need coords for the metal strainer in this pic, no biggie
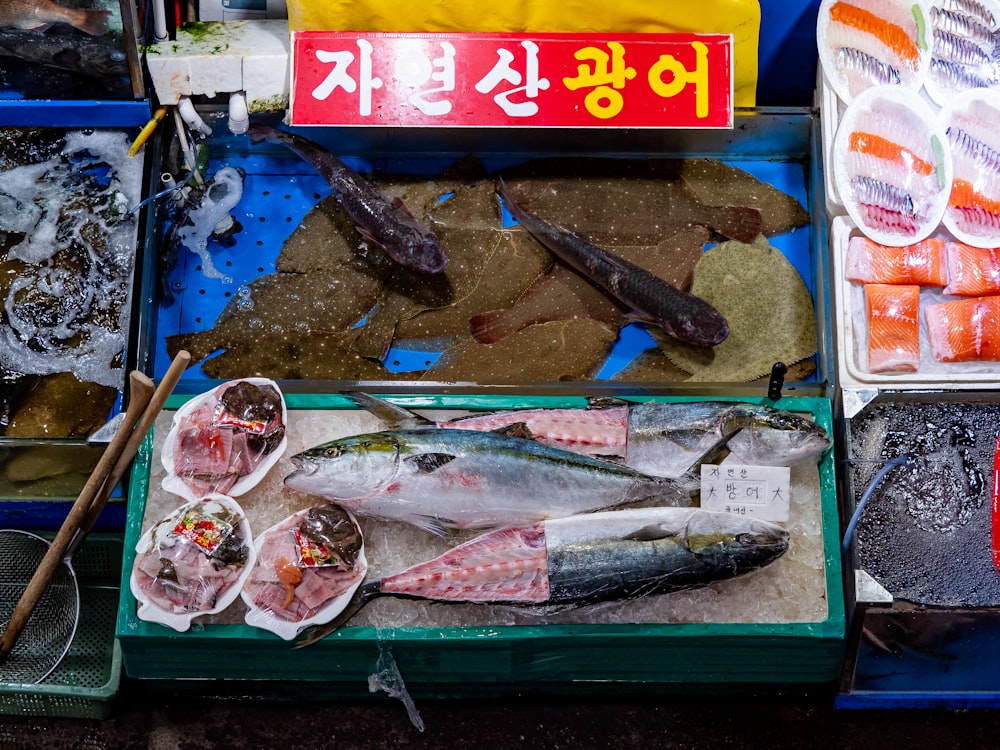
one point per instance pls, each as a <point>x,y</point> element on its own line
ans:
<point>52,624</point>
<point>39,599</point>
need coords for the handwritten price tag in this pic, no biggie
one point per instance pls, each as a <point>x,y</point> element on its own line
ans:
<point>759,491</point>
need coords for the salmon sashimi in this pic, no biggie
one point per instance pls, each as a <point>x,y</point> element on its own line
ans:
<point>884,148</point>
<point>893,327</point>
<point>892,35</point>
<point>972,271</point>
<point>976,211</point>
<point>922,263</point>
<point>964,330</point>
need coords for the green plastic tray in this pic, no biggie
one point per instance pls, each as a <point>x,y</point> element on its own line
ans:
<point>468,661</point>
<point>86,682</point>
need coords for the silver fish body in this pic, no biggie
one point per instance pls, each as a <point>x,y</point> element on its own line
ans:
<point>670,439</point>
<point>606,556</point>
<point>440,478</point>
<point>407,240</point>
<point>651,299</point>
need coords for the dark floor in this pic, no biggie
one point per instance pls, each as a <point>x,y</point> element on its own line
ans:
<point>793,720</point>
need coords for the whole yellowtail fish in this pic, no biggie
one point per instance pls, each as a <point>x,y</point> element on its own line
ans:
<point>607,556</point>
<point>439,479</point>
<point>32,15</point>
<point>388,223</point>
<point>649,298</point>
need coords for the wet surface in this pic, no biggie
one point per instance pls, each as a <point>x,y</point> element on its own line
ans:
<point>783,719</point>
<point>925,533</point>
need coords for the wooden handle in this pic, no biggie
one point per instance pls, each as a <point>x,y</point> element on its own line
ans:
<point>140,392</point>
<point>152,410</point>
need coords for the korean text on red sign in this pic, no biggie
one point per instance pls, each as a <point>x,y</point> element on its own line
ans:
<point>521,80</point>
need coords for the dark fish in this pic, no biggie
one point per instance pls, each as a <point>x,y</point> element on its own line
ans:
<point>871,68</point>
<point>583,559</point>
<point>652,300</point>
<point>29,15</point>
<point>633,200</point>
<point>94,58</point>
<point>970,8</point>
<point>387,223</point>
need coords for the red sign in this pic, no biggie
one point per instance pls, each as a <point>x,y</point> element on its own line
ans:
<point>502,80</point>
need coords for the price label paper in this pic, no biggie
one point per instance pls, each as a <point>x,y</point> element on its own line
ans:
<point>758,491</point>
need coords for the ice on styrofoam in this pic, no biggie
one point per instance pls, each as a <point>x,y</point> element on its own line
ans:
<point>792,589</point>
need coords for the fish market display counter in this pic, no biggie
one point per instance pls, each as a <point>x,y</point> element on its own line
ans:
<point>783,623</point>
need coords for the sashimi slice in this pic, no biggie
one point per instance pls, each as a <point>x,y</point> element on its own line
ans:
<point>972,271</point>
<point>893,327</point>
<point>976,212</point>
<point>964,330</point>
<point>922,263</point>
<point>884,148</point>
<point>892,35</point>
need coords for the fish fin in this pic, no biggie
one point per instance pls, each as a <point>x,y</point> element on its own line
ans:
<point>427,463</point>
<point>687,439</point>
<point>741,223</point>
<point>493,326</point>
<point>366,234</point>
<point>515,429</point>
<point>93,22</point>
<point>395,416</point>
<point>430,524</point>
<point>368,590</point>
<point>650,533</point>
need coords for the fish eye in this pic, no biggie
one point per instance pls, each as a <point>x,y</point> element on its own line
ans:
<point>332,452</point>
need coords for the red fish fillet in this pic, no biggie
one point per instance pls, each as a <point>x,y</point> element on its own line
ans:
<point>922,263</point>
<point>893,327</point>
<point>972,271</point>
<point>964,330</point>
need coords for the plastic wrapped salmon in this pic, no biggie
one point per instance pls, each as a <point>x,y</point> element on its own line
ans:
<point>972,271</point>
<point>923,263</point>
<point>866,43</point>
<point>892,168</point>
<point>972,124</point>
<point>964,330</point>
<point>893,327</point>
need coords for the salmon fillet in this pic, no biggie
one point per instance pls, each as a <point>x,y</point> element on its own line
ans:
<point>893,327</point>
<point>964,330</point>
<point>972,271</point>
<point>922,263</point>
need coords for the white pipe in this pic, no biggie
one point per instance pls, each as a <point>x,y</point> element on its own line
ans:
<point>186,107</point>
<point>239,116</point>
<point>159,21</point>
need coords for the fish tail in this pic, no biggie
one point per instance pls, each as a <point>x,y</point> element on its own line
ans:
<point>93,22</point>
<point>890,34</point>
<point>501,187</point>
<point>493,326</point>
<point>740,223</point>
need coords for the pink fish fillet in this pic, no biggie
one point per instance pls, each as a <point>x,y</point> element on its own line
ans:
<point>506,565</point>
<point>972,271</point>
<point>922,263</point>
<point>964,330</point>
<point>31,15</point>
<point>596,432</point>
<point>893,327</point>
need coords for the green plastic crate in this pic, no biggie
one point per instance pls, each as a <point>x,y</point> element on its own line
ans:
<point>493,660</point>
<point>85,683</point>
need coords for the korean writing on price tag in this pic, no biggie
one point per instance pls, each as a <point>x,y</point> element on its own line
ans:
<point>500,80</point>
<point>759,491</point>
